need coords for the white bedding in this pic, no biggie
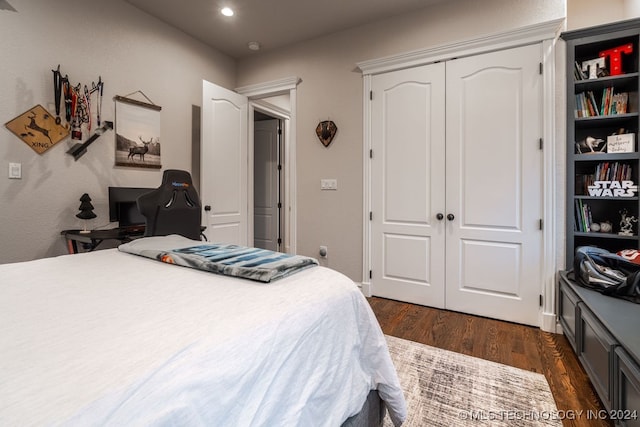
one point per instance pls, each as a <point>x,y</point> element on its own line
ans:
<point>110,338</point>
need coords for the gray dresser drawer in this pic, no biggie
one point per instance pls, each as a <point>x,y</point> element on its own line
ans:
<point>596,352</point>
<point>569,312</point>
<point>627,392</point>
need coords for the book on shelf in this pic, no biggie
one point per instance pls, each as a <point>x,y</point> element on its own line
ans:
<point>612,171</point>
<point>583,181</point>
<point>603,173</point>
<point>586,105</point>
<point>577,71</point>
<point>583,217</point>
<point>610,103</point>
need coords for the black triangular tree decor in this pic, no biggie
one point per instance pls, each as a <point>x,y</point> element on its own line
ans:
<point>86,208</point>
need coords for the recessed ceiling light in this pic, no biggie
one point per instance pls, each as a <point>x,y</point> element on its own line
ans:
<point>254,45</point>
<point>227,11</point>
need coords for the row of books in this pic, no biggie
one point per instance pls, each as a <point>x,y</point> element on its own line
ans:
<point>604,171</point>
<point>583,217</point>
<point>610,103</point>
<point>613,171</point>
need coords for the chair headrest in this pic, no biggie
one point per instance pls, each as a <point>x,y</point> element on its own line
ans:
<point>172,208</point>
<point>176,179</point>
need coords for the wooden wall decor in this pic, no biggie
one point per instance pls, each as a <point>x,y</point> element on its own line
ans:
<point>326,131</point>
<point>38,129</point>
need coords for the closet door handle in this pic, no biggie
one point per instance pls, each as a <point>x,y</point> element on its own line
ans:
<point>439,216</point>
<point>450,217</point>
<point>207,208</point>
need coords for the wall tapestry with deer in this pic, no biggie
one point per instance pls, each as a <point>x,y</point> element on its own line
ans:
<point>137,133</point>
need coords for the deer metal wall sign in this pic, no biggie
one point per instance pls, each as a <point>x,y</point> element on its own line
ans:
<point>38,129</point>
<point>137,134</point>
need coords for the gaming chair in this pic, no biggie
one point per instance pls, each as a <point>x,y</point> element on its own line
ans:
<point>172,208</point>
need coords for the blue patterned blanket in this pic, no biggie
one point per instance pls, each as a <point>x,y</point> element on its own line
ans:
<point>231,260</point>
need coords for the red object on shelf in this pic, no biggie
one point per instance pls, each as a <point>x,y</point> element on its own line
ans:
<point>615,58</point>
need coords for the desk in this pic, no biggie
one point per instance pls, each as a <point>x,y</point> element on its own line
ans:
<point>91,239</point>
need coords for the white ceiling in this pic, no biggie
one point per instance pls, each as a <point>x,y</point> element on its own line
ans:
<point>272,23</point>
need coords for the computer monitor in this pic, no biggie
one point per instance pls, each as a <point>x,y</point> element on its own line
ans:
<point>123,207</point>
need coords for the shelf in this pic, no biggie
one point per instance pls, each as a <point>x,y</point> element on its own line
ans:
<point>582,208</point>
<point>594,320</point>
<point>602,82</point>
<point>599,235</point>
<point>608,199</point>
<point>600,157</point>
<point>608,117</point>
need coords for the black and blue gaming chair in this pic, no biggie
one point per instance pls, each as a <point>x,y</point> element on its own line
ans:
<point>172,208</point>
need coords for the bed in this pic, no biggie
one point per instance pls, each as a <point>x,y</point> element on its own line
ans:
<point>112,338</point>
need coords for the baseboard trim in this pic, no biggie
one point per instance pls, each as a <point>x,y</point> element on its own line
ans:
<point>550,323</point>
<point>365,288</point>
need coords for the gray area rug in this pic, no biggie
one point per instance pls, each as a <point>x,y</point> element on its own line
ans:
<point>443,388</point>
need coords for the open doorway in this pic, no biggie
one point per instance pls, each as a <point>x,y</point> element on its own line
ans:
<point>226,187</point>
<point>267,181</point>
<point>277,99</point>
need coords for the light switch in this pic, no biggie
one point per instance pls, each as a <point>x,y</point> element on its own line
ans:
<point>328,184</point>
<point>15,170</point>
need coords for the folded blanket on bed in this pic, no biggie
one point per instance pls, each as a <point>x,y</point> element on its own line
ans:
<point>261,265</point>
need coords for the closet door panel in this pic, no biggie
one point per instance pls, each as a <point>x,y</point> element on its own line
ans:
<point>407,169</point>
<point>494,185</point>
<point>407,154</point>
<point>490,154</point>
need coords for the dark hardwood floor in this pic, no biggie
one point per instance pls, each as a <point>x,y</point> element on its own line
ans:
<point>511,344</point>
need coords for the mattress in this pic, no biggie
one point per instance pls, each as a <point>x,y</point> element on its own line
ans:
<point>111,338</point>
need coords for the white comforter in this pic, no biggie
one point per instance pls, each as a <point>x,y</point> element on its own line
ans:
<point>109,338</point>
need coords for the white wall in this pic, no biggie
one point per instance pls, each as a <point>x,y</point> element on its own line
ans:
<point>588,13</point>
<point>631,9</point>
<point>89,38</point>
<point>133,51</point>
<point>331,88</point>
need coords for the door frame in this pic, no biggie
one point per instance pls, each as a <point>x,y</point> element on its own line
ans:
<point>256,94</point>
<point>546,33</point>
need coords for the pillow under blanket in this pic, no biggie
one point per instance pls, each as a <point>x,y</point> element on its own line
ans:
<point>257,264</point>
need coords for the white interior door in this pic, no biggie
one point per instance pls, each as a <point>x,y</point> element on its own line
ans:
<point>224,160</point>
<point>266,184</point>
<point>407,170</point>
<point>494,184</point>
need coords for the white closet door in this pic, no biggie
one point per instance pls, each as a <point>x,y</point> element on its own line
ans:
<point>494,184</point>
<point>224,157</point>
<point>407,172</point>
